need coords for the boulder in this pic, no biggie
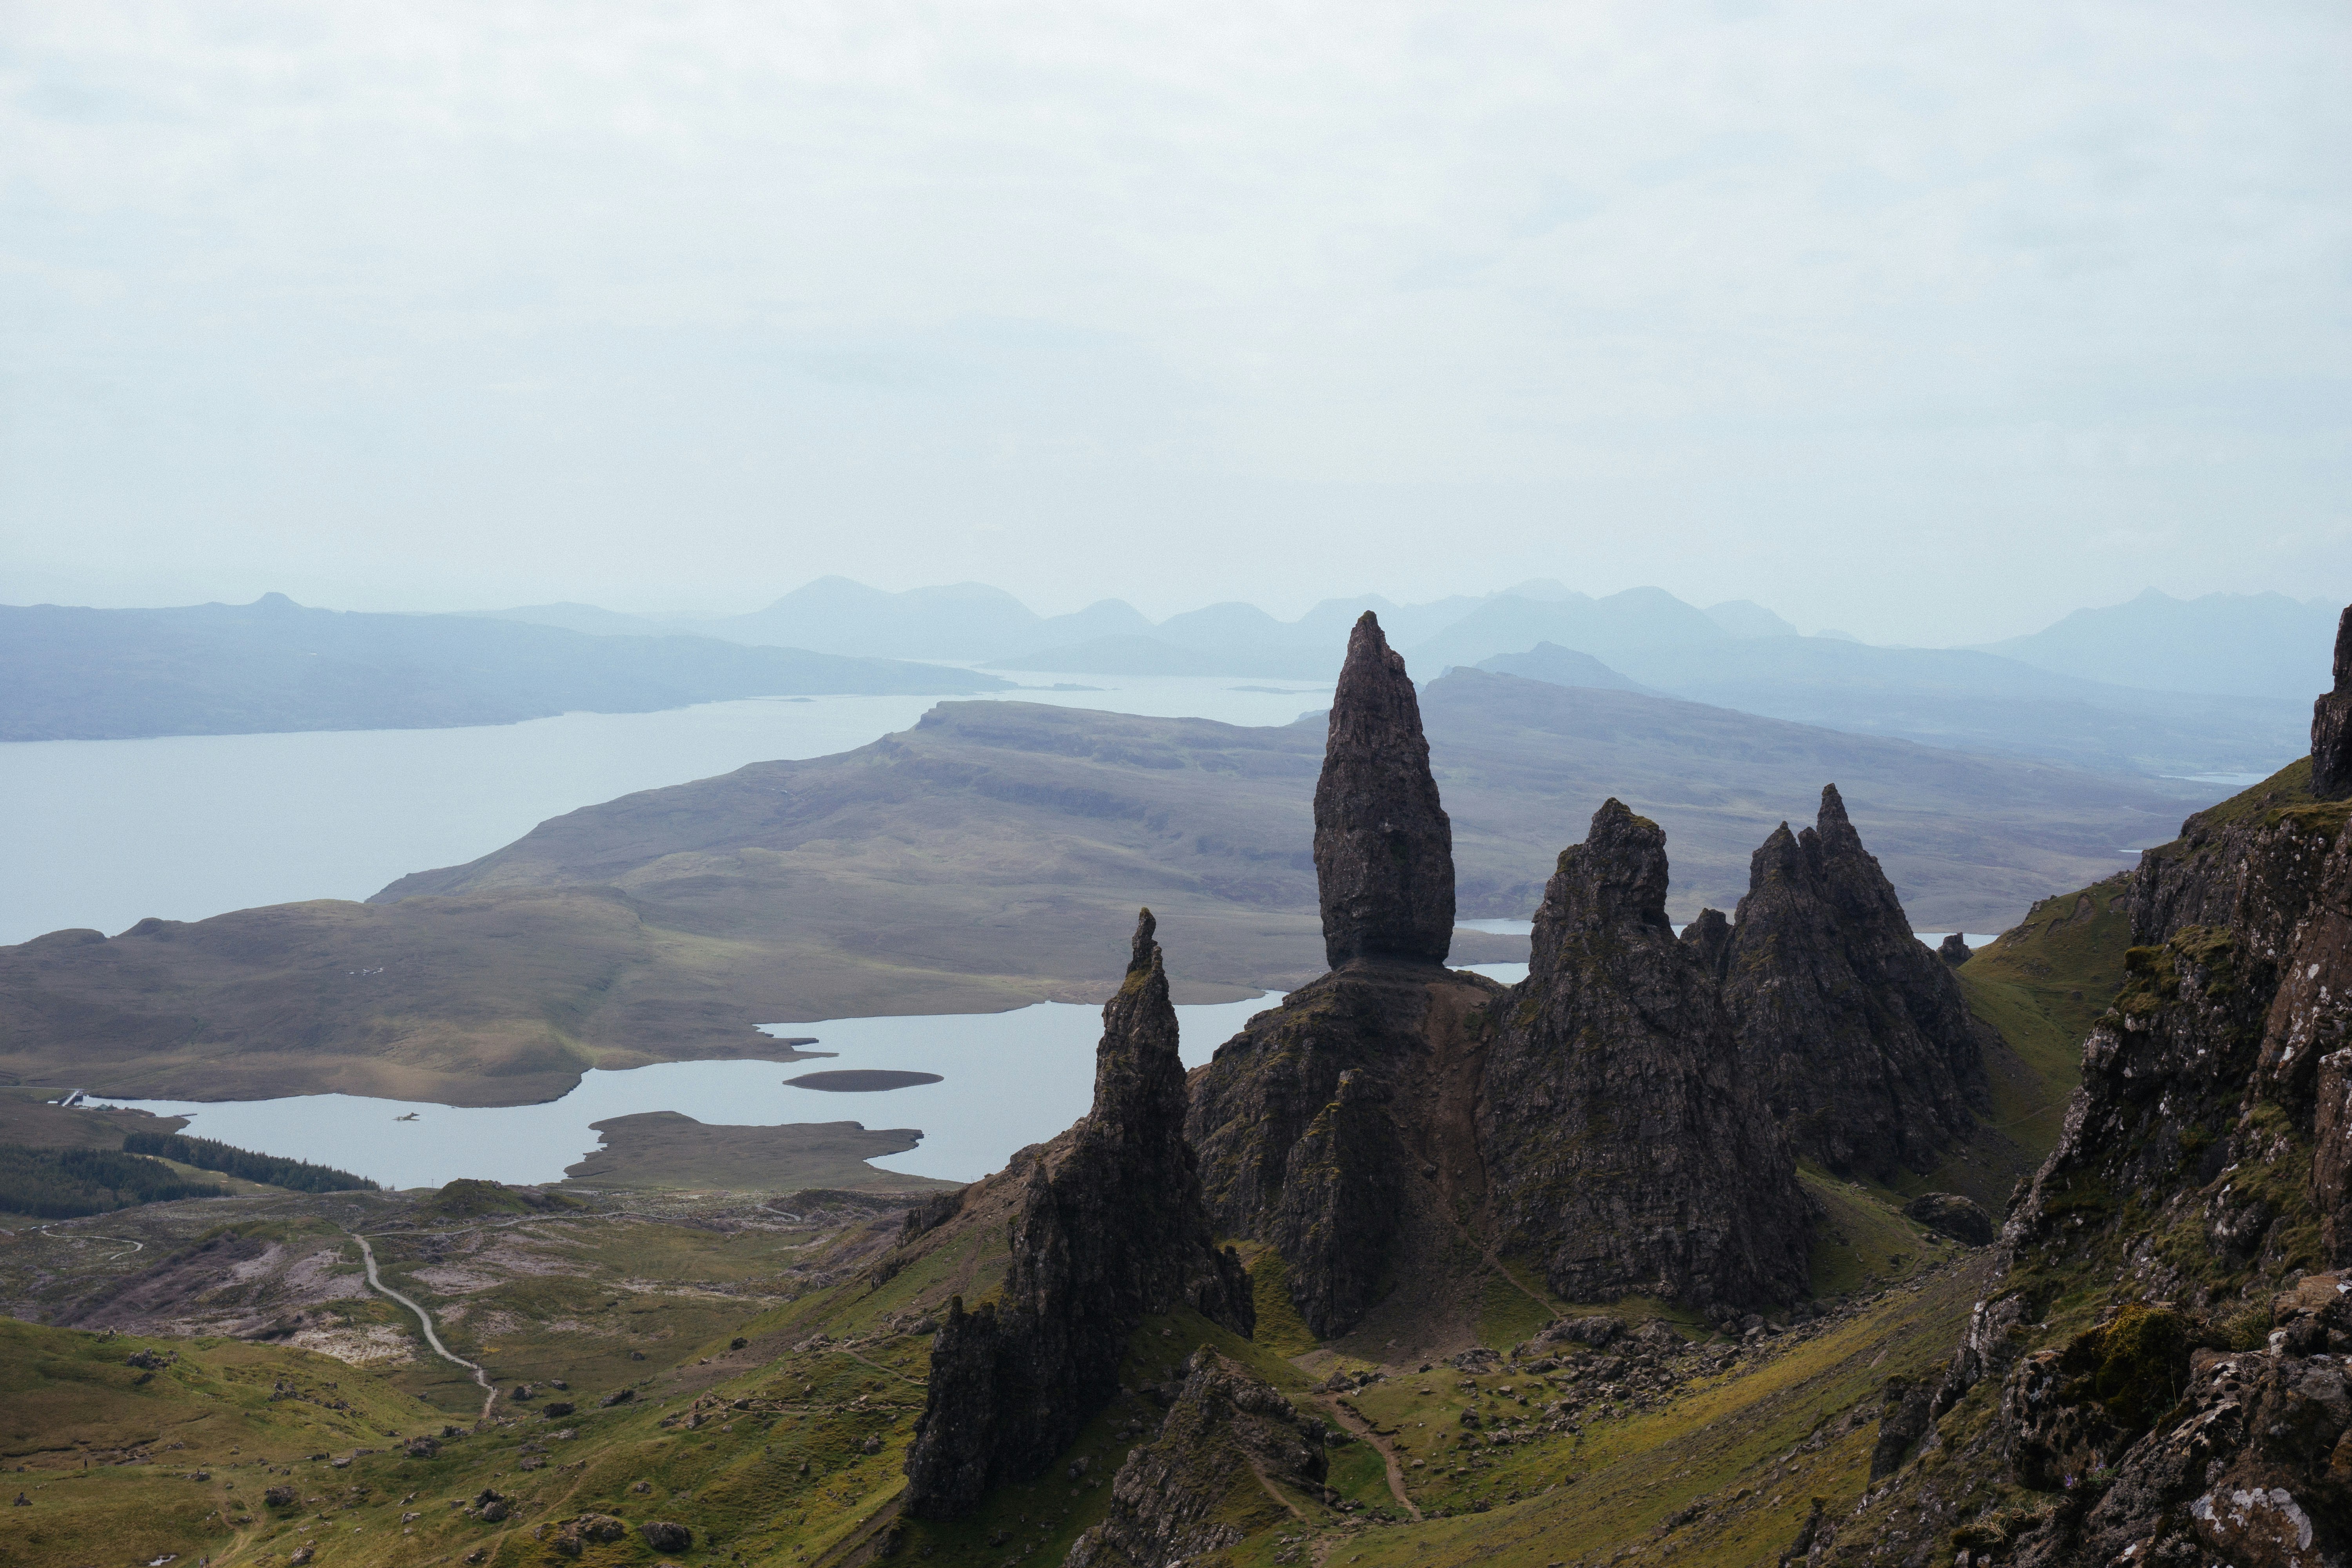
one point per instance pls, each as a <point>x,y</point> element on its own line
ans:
<point>663,1535</point>
<point>1962,1220</point>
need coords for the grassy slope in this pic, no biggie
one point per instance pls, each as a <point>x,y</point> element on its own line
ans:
<point>109,1453</point>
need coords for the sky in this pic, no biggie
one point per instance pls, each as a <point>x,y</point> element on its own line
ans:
<point>1926,322</point>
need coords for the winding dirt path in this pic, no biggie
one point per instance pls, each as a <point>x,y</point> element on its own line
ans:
<point>130,1245</point>
<point>1362,1430</point>
<point>425,1319</point>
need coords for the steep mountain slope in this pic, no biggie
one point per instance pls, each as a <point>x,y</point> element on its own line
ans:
<point>2159,1374</point>
<point>273,665</point>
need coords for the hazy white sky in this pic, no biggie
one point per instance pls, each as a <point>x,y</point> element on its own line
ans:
<point>1928,321</point>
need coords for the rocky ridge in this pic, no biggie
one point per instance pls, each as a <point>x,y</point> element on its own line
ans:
<point>2161,1376</point>
<point>1211,1476</point>
<point>1110,1228</point>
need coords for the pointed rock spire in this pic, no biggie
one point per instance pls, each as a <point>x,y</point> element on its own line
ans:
<point>1111,1228</point>
<point>1857,1035</point>
<point>1383,845</point>
<point>2331,723</point>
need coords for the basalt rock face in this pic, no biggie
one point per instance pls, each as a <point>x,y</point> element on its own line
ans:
<point>1858,1033</point>
<point>1110,1229</point>
<point>1383,844</point>
<point>1203,1484</point>
<point>2331,725</point>
<point>1338,1127</point>
<point>1629,1150</point>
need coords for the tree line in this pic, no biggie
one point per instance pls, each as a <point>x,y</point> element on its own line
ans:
<point>207,1154</point>
<point>61,1184</point>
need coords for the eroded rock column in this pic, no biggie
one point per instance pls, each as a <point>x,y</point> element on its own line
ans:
<point>1383,844</point>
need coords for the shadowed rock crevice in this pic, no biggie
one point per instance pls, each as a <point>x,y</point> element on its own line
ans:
<point>1857,1034</point>
<point>1110,1229</point>
<point>1383,844</point>
<point>1628,1152</point>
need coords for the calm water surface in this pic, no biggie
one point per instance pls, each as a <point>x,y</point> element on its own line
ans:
<point>104,833</point>
<point>1009,1079</point>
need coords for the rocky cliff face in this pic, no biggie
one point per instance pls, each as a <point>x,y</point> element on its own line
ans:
<point>2161,1376</point>
<point>1110,1228</point>
<point>1383,845</point>
<point>1340,1128</point>
<point>1857,1034</point>
<point>1629,1150</point>
<point>2331,723</point>
<point>1208,1479</point>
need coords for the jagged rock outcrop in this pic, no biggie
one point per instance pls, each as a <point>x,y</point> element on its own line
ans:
<point>1206,1480</point>
<point>1110,1229</point>
<point>1857,1034</point>
<point>1340,1128</point>
<point>2331,723</point>
<point>1629,1150</point>
<point>1383,844</point>
<point>2199,1190</point>
<point>1954,949</point>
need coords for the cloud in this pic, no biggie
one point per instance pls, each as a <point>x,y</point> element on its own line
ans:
<point>1862,311</point>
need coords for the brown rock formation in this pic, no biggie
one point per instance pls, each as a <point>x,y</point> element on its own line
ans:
<point>1856,1033</point>
<point>1383,845</point>
<point>2331,723</point>
<point>1629,1152</point>
<point>1206,1480</point>
<point>1111,1229</point>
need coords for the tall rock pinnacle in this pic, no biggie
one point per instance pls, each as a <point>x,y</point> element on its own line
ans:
<point>2331,732</point>
<point>1111,1229</point>
<point>1383,847</point>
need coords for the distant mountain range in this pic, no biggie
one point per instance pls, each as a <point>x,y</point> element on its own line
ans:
<point>2254,645</point>
<point>273,666</point>
<point>2160,686</point>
